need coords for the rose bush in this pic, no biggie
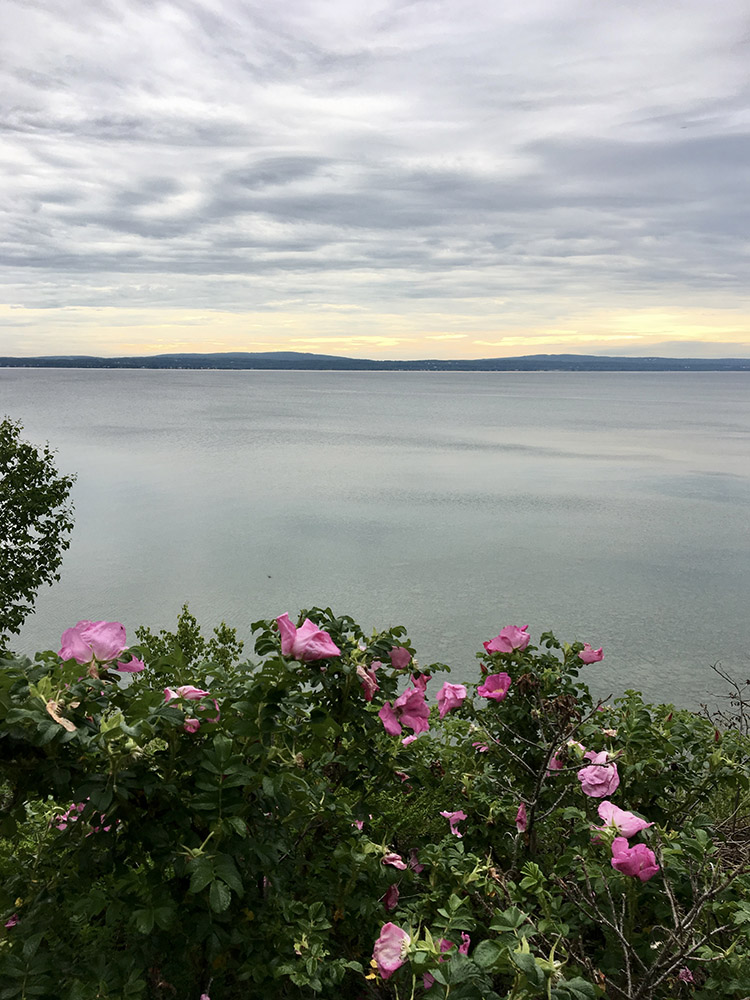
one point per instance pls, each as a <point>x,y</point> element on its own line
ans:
<point>227,828</point>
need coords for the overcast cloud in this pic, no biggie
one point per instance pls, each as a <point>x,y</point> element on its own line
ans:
<point>394,179</point>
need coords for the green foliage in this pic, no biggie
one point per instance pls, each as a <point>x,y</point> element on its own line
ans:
<point>35,520</point>
<point>248,857</point>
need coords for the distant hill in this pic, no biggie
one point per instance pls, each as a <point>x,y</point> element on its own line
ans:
<point>297,361</point>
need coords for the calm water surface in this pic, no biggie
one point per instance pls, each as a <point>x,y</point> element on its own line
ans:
<point>611,508</point>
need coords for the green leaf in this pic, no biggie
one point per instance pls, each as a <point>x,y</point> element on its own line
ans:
<point>488,954</point>
<point>202,872</point>
<point>226,869</point>
<point>527,964</point>
<point>219,896</point>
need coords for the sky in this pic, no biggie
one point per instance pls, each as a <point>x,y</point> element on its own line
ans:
<point>375,178</point>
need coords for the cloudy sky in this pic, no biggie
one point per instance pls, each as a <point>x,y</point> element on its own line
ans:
<point>375,178</point>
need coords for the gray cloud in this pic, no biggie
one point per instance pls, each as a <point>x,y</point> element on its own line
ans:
<point>215,153</point>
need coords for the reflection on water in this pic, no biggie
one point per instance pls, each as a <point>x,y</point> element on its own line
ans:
<point>610,508</point>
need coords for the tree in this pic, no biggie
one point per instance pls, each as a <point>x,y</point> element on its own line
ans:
<point>36,517</point>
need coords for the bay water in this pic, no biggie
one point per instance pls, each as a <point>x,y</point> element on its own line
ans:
<point>609,508</point>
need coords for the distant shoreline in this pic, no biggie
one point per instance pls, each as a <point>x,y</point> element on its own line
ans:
<point>292,361</point>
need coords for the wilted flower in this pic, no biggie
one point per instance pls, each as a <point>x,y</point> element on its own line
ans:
<point>600,778</point>
<point>391,897</point>
<point>450,696</point>
<point>414,861</point>
<point>306,643</point>
<point>12,921</point>
<point>390,949</point>
<point>684,975</point>
<point>391,858</point>
<point>495,686</point>
<point>454,818</point>
<point>589,655</point>
<point>368,680</point>
<point>638,860</point>
<point>627,824</point>
<point>522,820</point>
<point>510,638</point>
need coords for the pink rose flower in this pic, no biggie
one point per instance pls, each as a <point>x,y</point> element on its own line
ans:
<point>390,949</point>
<point>391,858</point>
<point>191,725</point>
<point>589,655</point>
<point>599,779</point>
<point>132,666</point>
<point>409,739</point>
<point>510,638</point>
<point>454,818</point>
<point>87,642</point>
<point>305,643</point>
<point>191,692</point>
<point>391,898</point>
<point>555,764</point>
<point>639,860</point>
<point>400,657</point>
<point>495,686</point>
<point>450,696</point>
<point>522,820</point>
<point>409,709</point>
<point>627,824</point>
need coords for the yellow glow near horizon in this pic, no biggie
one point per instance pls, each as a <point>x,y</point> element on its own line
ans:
<point>332,329</point>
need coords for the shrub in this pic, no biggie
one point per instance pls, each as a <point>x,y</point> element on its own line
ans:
<point>201,826</point>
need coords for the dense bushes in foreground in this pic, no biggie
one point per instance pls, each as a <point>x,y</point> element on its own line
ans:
<point>179,824</point>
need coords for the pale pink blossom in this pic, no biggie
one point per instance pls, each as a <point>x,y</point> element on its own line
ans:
<point>450,696</point>
<point>390,949</point>
<point>400,657</point>
<point>132,666</point>
<point>359,823</point>
<point>89,642</point>
<point>391,858</point>
<point>589,655</point>
<point>511,637</point>
<point>480,747</point>
<point>495,686</point>
<point>454,818</point>
<point>306,643</point>
<point>409,739</point>
<point>555,764</point>
<point>600,778</point>
<point>192,693</point>
<point>627,824</point>
<point>639,860</point>
<point>191,725</point>
<point>522,820</point>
